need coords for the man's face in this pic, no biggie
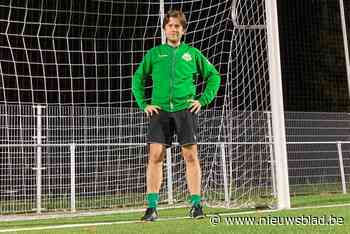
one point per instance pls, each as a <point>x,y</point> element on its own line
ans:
<point>174,30</point>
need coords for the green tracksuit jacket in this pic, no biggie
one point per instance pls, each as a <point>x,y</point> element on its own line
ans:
<point>173,72</point>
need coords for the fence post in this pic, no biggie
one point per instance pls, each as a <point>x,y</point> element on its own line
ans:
<point>169,176</point>
<point>72,177</point>
<point>224,173</point>
<point>272,157</point>
<point>38,167</point>
<point>341,166</point>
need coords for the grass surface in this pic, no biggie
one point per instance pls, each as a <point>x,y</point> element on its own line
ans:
<point>173,220</point>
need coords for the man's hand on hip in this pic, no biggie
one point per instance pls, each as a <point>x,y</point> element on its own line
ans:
<point>195,106</point>
<point>150,109</point>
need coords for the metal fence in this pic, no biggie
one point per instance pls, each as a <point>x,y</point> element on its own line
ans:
<point>89,158</point>
<point>316,158</point>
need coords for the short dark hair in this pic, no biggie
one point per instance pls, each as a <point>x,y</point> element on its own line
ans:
<point>175,14</point>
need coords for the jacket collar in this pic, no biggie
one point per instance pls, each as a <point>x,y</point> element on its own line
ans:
<point>182,44</point>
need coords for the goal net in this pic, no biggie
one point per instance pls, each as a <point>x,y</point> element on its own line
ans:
<point>66,70</point>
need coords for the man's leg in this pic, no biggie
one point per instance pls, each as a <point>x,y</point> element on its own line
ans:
<point>193,172</point>
<point>154,174</point>
<point>193,176</point>
<point>154,178</point>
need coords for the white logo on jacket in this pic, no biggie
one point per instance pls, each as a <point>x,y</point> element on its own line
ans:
<point>187,57</point>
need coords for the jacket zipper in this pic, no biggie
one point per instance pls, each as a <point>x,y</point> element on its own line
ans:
<point>172,80</point>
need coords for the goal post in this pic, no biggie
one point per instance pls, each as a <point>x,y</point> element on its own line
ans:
<point>278,124</point>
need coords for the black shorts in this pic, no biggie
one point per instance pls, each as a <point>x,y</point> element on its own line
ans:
<point>163,126</point>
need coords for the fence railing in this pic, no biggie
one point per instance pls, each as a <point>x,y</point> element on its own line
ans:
<point>223,163</point>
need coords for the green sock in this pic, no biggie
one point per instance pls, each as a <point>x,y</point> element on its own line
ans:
<point>195,199</point>
<point>152,200</point>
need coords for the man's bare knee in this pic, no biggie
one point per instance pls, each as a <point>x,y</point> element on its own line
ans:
<point>189,153</point>
<point>156,158</point>
<point>156,154</point>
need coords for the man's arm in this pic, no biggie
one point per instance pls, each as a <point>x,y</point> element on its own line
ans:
<point>212,78</point>
<point>138,81</point>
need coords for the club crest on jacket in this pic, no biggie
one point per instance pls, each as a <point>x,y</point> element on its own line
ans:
<point>187,57</point>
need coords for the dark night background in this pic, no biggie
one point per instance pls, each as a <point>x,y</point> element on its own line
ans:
<point>312,55</point>
<point>82,54</point>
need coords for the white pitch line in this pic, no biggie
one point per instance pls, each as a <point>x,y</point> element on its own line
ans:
<point>87,224</point>
<point>10,218</point>
<point>276,210</point>
<point>163,219</point>
<point>64,226</point>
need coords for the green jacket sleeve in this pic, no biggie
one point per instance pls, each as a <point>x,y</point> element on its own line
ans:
<point>212,78</point>
<point>138,80</point>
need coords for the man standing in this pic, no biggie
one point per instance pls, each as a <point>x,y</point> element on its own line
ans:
<point>173,67</point>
